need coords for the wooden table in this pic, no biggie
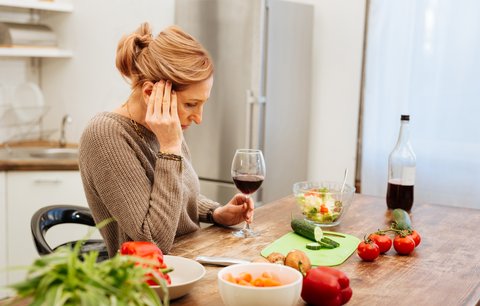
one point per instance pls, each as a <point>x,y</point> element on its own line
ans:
<point>443,270</point>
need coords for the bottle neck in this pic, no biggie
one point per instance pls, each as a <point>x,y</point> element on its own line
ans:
<point>404,134</point>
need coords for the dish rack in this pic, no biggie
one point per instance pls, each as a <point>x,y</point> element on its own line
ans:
<point>14,128</point>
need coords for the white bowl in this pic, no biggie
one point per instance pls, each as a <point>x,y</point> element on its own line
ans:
<point>186,272</point>
<point>237,295</point>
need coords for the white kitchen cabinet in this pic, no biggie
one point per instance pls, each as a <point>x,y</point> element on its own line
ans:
<point>32,11</point>
<point>56,6</point>
<point>3,236</point>
<point>28,191</point>
<point>23,63</point>
<point>35,52</point>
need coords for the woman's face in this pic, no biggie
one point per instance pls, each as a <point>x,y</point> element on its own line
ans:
<point>191,100</point>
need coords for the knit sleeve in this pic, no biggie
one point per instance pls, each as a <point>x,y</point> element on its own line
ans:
<point>204,206</point>
<point>113,166</point>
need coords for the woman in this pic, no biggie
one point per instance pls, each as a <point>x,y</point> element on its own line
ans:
<point>134,162</point>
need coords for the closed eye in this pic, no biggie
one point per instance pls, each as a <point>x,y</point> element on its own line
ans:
<point>190,104</point>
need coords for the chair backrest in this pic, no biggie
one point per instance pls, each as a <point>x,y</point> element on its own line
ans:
<point>49,216</point>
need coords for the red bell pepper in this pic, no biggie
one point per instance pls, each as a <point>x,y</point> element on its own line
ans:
<point>325,286</point>
<point>149,251</point>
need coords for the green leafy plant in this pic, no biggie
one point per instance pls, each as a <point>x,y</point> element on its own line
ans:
<point>65,278</point>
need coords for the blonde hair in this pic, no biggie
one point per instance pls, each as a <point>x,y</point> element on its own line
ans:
<point>173,55</point>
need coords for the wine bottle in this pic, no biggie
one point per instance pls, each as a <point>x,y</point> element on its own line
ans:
<point>401,170</point>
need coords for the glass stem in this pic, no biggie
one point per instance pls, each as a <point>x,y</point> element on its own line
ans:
<point>246,227</point>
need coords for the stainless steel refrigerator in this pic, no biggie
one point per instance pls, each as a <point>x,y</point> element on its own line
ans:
<point>262,51</point>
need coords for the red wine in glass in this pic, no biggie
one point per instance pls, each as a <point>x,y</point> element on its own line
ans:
<point>248,173</point>
<point>248,184</point>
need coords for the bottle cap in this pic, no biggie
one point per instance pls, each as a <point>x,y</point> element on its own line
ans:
<point>405,118</point>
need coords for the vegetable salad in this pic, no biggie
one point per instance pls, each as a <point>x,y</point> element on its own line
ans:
<point>319,205</point>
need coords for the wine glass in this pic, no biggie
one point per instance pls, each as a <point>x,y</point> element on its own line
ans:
<point>248,173</point>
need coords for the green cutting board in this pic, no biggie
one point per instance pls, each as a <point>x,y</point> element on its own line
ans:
<point>322,257</point>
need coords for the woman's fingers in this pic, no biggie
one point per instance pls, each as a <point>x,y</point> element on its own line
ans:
<point>247,206</point>
<point>159,102</point>
<point>249,214</point>
<point>174,105</point>
<point>162,117</point>
<point>240,199</point>
<point>251,205</point>
<point>166,99</point>
<point>158,97</point>
<point>151,101</point>
<point>250,210</point>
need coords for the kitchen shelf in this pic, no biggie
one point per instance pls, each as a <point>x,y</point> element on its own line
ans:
<point>57,6</point>
<point>34,52</point>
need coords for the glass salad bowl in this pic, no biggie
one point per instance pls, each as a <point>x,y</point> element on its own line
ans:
<point>323,203</point>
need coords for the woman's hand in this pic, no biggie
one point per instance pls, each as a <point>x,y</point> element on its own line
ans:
<point>162,117</point>
<point>239,209</point>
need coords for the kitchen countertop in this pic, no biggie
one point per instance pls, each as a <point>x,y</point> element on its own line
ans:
<point>443,270</point>
<point>14,163</point>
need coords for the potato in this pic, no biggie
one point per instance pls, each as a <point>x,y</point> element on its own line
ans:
<point>298,260</point>
<point>276,258</point>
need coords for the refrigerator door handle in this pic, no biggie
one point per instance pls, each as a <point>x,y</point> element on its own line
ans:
<point>251,102</point>
<point>262,102</point>
<point>249,114</point>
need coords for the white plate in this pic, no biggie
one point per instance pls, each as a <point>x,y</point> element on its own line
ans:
<point>184,276</point>
<point>28,102</point>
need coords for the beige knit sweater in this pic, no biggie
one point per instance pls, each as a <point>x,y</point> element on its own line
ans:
<point>150,198</point>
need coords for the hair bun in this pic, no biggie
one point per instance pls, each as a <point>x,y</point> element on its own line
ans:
<point>142,41</point>
<point>171,55</point>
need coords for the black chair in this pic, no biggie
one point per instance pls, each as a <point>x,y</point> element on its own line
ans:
<point>49,216</point>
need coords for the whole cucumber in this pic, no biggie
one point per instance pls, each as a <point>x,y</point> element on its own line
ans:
<point>306,229</point>
<point>401,219</point>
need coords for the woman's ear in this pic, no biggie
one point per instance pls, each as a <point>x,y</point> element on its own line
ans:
<point>147,88</point>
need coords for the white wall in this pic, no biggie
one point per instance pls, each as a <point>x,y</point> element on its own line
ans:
<point>338,49</point>
<point>89,82</point>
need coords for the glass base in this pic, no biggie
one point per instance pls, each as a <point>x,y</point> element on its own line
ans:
<point>335,223</point>
<point>245,233</point>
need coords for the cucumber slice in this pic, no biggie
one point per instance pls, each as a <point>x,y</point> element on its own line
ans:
<point>330,242</point>
<point>318,233</point>
<point>313,246</point>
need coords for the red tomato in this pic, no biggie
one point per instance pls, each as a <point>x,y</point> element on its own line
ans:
<point>368,250</point>
<point>324,209</point>
<point>416,237</point>
<point>383,241</point>
<point>403,245</point>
